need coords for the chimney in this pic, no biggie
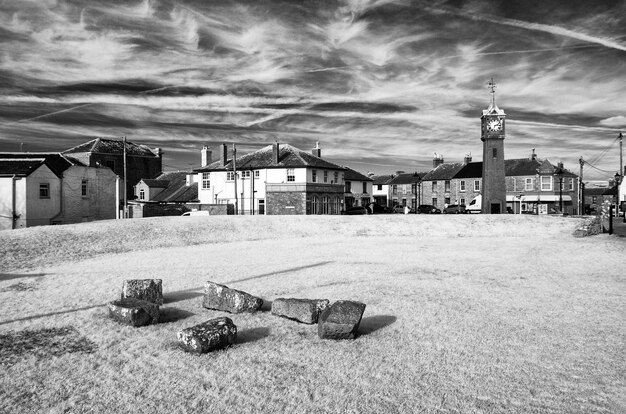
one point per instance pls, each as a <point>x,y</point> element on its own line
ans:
<point>224,155</point>
<point>206,156</point>
<point>437,160</point>
<point>467,159</point>
<point>275,152</point>
<point>317,151</point>
<point>533,156</point>
<point>158,152</point>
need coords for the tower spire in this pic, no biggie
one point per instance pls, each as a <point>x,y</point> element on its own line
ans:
<point>492,85</point>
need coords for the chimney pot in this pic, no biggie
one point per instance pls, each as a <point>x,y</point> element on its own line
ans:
<point>224,155</point>
<point>206,156</point>
<point>317,151</point>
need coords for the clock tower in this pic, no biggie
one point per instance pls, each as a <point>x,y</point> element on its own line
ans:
<point>492,136</point>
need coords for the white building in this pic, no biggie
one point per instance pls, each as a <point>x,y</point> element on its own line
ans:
<point>276,179</point>
<point>48,188</point>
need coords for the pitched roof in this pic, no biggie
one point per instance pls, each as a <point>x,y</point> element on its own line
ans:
<point>470,170</point>
<point>112,146</point>
<point>407,178</point>
<point>55,161</point>
<point>445,171</point>
<point>177,190</point>
<point>352,175</point>
<point>20,167</point>
<point>512,168</point>
<point>156,183</point>
<point>289,157</point>
<point>382,179</point>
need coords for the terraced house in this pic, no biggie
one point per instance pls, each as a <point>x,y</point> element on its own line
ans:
<point>276,179</point>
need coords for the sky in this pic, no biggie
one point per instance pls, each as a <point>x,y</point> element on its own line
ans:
<point>382,85</point>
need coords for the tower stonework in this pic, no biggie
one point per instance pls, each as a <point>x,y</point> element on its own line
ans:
<point>492,136</point>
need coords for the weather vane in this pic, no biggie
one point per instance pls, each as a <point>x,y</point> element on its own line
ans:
<point>492,85</point>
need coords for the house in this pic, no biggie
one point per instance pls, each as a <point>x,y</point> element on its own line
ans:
<point>437,186</point>
<point>141,161</point>
<point>380,188</point>
<point>358,190</point>
<point>405,189</point>
<point>276,179</point>
<point>595,197</point>
<point>50,188</point>
<point>171,193</point>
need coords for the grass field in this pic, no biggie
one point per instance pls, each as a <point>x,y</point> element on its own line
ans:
<point>465,314</point>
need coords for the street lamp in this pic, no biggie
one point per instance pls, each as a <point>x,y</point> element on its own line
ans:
<point>416,192</point>
<point>618,179</point>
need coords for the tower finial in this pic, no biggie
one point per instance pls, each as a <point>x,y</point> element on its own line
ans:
<point>492,85</point>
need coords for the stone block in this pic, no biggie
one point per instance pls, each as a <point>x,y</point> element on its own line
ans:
<point>340,320</point>
<point>223,298</point>
<point>145,289</point>
<point>301,310</point>
<point>134,312</point>
<point>208,336</point>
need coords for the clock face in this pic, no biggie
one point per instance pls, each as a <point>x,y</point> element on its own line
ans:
<point>494,125</point>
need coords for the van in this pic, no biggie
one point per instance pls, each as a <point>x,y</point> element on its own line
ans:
<point>195,213</point>
<point>476,205</point>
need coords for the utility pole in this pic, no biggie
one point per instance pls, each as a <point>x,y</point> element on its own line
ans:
<point>235,177</point>
<point>621,176</point>
<point>125,181</point>
<point>581,186</point>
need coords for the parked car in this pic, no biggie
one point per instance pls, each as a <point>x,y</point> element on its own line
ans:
<point>356,211</point>
<point>427,209</point>
<point>454,209</point>
<point>378,209</point>
<point>195,213</point>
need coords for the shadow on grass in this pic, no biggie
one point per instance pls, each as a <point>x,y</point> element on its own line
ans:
<point>10,276</point>
<point>168,315</point>
<point>43,315</point>
<point>252,335</point>
<point>181,295</point>
<point>371,324</point>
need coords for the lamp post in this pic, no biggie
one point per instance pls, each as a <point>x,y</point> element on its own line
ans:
<point>618,179</point>
<point>416,191</point>
<point>559,172</point>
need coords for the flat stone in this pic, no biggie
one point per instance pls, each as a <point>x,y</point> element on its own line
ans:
<point>301,310</point>
<point>134,312</point>
<point>223,298</point>
<point>340,320</point>
<point>208,336</point>
<point>145,289</point>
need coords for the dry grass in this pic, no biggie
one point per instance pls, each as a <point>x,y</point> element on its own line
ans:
<point>485,314</point>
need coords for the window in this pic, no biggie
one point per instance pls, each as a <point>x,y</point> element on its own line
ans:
<point>404,202</point>
<point>206,181</point>
<point>325,205</point>
<point>230,176</point>
<point>435,201</point>
<point>434,188</point>
<point>365,187</point>
<point>414,188</point>
<point>462,201</point>
<point>337,205</point>
<point>394,189</point>
<point>257,174</point>
<point>546,183</point>
<point>325,176</point>
<point>571,184</point>
<point>314,203</point>
<point>313,176</point>
<point>446,200</point>
<point>529,184</point>
<point>447,186</point>
<point>245,174</point>
<point>403,188</point>
<point>142,194</point>
<point>84,186</point>
<point>462,185</point>
<point>44,190</point>
<point>379,187</point>
<point>336,175</point>
<point>348,186</point>
<point>494,152</point>
<point>291,175</point>
<point>476,185</point>
<point>261,206</point>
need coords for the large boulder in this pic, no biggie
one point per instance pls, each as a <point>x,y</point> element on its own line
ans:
<point>340,320</point>
<point>223,298</point>
<point>208,336</point>
<point>145,289</point>
<point>134,312</point>
<point>301,310</point>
